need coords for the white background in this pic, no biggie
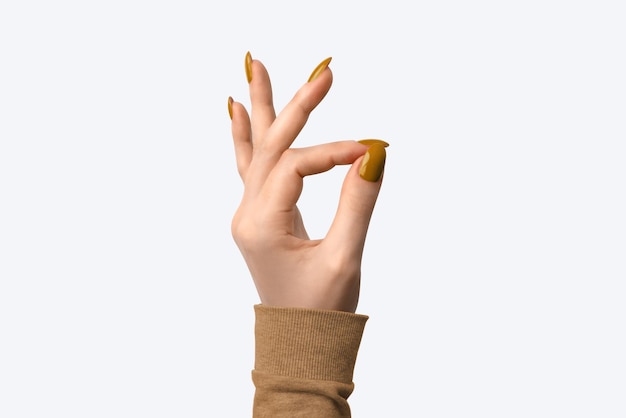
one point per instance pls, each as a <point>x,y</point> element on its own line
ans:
<point>495,264</point>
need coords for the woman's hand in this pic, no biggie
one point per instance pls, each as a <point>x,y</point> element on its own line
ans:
<point>289,269</point>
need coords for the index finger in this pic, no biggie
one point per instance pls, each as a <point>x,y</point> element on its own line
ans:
<point>288,125</point>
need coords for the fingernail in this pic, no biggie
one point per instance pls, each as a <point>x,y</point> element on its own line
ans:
<point>373,141</point>
<point>230,107</point>
<point>373,163</point>
<point>248,66</point>
<point>318,70</point>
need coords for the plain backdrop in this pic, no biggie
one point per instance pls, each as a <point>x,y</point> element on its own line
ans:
<point>495,266</point>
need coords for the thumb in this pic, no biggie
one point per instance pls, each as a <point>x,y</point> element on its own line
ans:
<point>356,203</point>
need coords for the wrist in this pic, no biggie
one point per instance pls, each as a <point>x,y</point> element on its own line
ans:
<point>307,343</point>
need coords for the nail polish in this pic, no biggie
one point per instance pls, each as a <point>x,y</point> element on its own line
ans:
<point>319,69</point>
<point>373,141</point>
<point>248,65</point>
<point>230,107</point>
<point>373,163</point>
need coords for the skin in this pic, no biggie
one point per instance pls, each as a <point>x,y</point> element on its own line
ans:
<point>288,268</point>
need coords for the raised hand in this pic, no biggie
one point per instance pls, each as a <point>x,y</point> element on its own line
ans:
<point>288,268</point>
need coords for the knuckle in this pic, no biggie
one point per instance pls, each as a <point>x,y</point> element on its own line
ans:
<point>288,157</point>
<point>247,232</point>
<point>302,103</point>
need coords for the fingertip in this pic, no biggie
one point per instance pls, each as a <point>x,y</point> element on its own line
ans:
<point>242,136</point>
<point>311,94</point>
<point>373,163</point>
<point>237,112</point>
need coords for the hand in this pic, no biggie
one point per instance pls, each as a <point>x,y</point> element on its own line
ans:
<point>288,268</point>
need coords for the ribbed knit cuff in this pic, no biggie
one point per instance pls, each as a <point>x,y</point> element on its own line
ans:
<point>307,343</point>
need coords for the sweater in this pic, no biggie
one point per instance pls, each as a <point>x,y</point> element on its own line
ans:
<point>304,361</point>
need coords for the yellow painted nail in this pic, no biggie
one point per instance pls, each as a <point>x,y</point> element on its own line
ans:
<point>373,163</point>
<point>373,141</point>
<point>230,107</point>
<point>319,69</point>
<point>248,65</point>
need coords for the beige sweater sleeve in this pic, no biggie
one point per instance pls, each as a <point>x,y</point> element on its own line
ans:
<point>304,362</point>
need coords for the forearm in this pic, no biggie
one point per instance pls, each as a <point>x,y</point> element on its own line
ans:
<point>304,361</point>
